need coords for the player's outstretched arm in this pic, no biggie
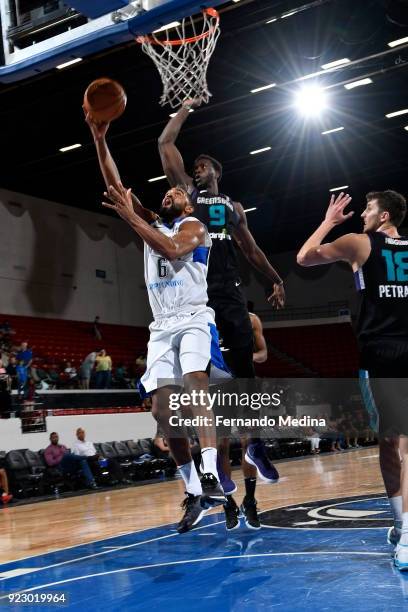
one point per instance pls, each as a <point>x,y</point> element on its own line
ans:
<point>189,237</point>
<point>257,257</point>
<point>260,354</point>
<point>171,158</point>
<point>353,248</point>
<point>108,166</point>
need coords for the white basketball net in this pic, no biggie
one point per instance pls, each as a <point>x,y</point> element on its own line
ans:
<point>182,61</point>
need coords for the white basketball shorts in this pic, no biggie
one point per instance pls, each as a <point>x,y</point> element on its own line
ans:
<point>180,344</point>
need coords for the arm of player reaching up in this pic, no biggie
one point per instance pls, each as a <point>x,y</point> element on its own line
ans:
<point>172,161</point>
<point>257,257</point>
<point>353,248</point>
<point>260,349</point>
<point>189,237</point>
<point>109,168</point>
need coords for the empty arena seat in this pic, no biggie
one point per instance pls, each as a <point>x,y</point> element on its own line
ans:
<point>122,450</point>
<point>134,448</point>
<point>35,461</point>
<point>146,446</point>
<point>23,482</point>
<point>108,450</point>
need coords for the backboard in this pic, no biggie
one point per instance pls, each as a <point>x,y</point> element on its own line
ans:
<point>42,35</point>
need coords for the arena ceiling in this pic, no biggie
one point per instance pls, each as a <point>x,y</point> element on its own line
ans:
<point>289,183</point>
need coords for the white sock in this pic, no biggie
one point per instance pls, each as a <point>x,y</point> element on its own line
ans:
<point>209,461</point>
<point>404,534</point>
<point>396,507</point>
<point>191,480</point>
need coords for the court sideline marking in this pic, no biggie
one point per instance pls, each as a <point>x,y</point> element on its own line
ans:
<point>189,561</point>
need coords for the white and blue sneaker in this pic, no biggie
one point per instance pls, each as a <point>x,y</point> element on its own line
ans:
<point>401,557</point>
<point>256,455</point>
<point>393,536</point>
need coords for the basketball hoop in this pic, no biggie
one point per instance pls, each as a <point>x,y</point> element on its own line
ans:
<point>182,62</point>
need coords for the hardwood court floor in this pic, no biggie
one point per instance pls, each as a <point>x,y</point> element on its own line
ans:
<point>43,527</point>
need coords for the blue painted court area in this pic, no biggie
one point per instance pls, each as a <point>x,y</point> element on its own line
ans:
<point>312,566</point>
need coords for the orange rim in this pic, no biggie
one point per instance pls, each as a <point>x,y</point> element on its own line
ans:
<point>182,41</point>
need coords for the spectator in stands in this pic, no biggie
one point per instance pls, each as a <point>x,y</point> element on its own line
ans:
<point>314,440</point>
<point>12,371</point>
<point>5,388</point>
<point>5,495</point>
<point>103,367</point>
<point>86,449</point>
<point>96,330</point>
<point>53,376</point>
<point>70,375</point>
<point>57,455</point>
<point>349,430</point>
<point>140,364</point>
<point>333,435</point>
<point>22,377</point>
<point>25,354</point>
<point>85,370</point>
<point>121,378</point>
<point>6,329</point>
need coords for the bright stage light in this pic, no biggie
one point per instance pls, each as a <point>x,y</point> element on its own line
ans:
<point>311,101</point>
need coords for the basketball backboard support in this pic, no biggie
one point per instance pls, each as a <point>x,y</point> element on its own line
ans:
<point>39,35</point>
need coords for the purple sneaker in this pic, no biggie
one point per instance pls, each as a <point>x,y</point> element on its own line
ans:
<point>256,455</point>
<point>227,484</point>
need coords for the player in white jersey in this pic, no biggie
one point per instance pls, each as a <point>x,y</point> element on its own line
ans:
<point>183,342</point>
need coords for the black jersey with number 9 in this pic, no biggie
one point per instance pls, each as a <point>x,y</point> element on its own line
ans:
<point>217,212</point>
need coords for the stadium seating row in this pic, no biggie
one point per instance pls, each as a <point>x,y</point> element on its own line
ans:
<point>29,475</point>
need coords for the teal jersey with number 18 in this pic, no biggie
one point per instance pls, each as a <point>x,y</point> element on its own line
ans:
<point>383,284</point>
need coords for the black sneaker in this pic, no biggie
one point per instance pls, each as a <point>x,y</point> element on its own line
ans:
<point>213,493</point>
<point>193,513</point>
<point>231,514</point>
<point>250,514</point>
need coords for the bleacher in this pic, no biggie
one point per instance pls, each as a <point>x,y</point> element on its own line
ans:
<point>59,341</point>
<point>325,350</point>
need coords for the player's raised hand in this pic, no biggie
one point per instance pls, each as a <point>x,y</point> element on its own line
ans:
<point>335,212</point>
<point>192,103</point>
<point>277,298</point>
<point>98,129</point>
<point>121,201</point>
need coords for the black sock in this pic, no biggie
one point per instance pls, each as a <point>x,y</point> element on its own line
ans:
<point>230,501</point>
<point>250,484</point>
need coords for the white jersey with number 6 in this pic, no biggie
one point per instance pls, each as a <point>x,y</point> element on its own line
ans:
<point>180,285</point>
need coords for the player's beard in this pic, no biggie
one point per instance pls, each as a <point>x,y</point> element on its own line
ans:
<point>168,213</point>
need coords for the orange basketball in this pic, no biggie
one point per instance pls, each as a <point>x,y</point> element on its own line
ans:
<point>105,100</point>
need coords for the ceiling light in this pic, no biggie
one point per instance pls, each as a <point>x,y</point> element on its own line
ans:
<point>406,128</point>
<point>263,88</point>
<point>288,14</point>
<point>157,178</point>
<point>340,62</point>
<point>404,111</point>
<point>339,129</point>
<point>358,83</point>
<point>400,41</point>
<point>272,20</point>
<point>168,26</point>
<point>260,150</point>
<point>249,209</point>
<point>74,146</point>
<point>338,188</point>
<point>311,101</point>
<point>70,63</point>
<point>191,110</point>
